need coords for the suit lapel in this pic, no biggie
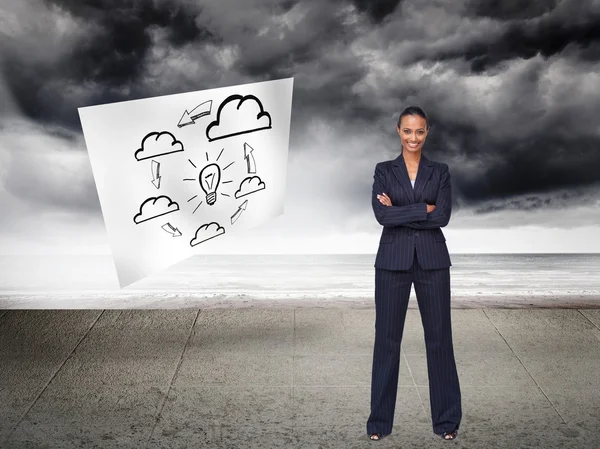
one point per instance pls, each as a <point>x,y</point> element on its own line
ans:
<point>423,174</point>
<point>399,169</point>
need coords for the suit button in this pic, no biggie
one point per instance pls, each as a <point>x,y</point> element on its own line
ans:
<point>417,233</point>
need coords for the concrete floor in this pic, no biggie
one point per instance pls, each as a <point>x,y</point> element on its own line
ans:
<point>288,378</point>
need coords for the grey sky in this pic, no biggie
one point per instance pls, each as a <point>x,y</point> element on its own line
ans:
<point>511,91</point>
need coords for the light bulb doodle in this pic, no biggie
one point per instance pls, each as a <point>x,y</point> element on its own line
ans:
<point>209,179</point>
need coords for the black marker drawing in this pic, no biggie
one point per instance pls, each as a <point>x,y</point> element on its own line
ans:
<point>171,230</point>
<point>220,153</point>
<point>199,111</point>
<point>158,144</point>
<point>206,232</point>
<point>250,162</point>
<point>155,167</point>
<point>155,207</point>
<point>237,214</point>
<point>250,185</point>
<point>238,115</point>
<point>197,207</point>
<point>209,178</point>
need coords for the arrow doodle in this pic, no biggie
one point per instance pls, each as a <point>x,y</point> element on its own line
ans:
<point>155,174</point>
<point>168,227</point>
<point>199,111</point>
<point>250,162</point>
<point>237,214</point>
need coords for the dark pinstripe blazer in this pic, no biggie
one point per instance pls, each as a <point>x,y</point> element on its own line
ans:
<point>406,224</point>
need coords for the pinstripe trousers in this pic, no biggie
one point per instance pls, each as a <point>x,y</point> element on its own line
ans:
<point>392,291</point>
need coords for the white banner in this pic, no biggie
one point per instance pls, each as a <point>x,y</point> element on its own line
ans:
<point>177,174</point>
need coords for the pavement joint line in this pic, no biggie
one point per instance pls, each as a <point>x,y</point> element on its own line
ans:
<point>342,320</point>
<point>293,357</point>
<point>414,383</point>
<point>586,317</point>
<point>37,397</point>
<point>4,312</point>
<point>525,368</point>
<point>164,399</point>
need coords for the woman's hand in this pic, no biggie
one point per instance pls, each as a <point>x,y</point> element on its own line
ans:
<point>430,208</point>
<point>384,199</point>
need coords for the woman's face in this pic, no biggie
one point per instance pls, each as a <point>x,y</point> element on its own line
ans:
<point>412,131</point>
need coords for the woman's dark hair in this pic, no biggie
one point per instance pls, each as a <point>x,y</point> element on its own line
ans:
<point>413,110</point>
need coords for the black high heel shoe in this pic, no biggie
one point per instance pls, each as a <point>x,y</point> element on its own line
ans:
<point>450,435</point>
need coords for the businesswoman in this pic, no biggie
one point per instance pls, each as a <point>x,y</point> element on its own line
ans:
<point>412,201</point>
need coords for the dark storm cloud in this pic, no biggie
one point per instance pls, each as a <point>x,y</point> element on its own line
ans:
<point>110,55</point>
<point>540,164</point>
<point>530,202</point>
<point>117,50</point>
<point>355,65</point>
<point>377,9</point>
<point>278,49</point>
<point>511,9</point>
<point>513,30</point>
<point>547,37</point>
<point>177,17</point>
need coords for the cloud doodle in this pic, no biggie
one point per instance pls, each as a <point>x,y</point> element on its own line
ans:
<point>158,144</point>
<point>250,185</point>
<point>206,232</point>
<point>155,207</point>
<point>238,115</point>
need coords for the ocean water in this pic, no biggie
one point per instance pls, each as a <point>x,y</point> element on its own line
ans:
<point>91,281</point>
